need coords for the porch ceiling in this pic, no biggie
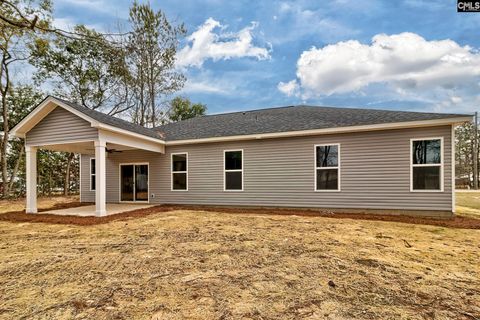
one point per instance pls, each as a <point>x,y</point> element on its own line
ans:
<point>86,147</point>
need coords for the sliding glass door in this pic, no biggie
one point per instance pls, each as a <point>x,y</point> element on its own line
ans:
<point>134,182</point>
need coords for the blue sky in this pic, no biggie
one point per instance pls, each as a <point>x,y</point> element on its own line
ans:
<point>239,55</point>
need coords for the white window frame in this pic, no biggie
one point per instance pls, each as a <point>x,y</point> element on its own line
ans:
<point>172,172</point>
<point>441,164</point>
<point>80,164</point>
<point>92,174</point>
<point>120,182</point>
<point>338,167</point>
<point>234,170</point>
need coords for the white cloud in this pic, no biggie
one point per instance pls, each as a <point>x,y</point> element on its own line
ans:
<point>204,44</point>
<point>289,88</point>
<point>303,22</point>
<point>103,6</point>
<point>68,24</point>
<point>456,99</point>
<point>204,87</point>
<point>404,62</point>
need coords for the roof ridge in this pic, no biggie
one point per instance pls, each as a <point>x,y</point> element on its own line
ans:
<point>376,109</point>
<point>229,113</point>
<point>310,106</point>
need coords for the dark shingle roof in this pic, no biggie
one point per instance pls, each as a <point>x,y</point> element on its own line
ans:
<point>113,121</point>
<point>273,120</point>
<point>283,119</point>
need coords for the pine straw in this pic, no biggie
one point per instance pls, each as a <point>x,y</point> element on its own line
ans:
<point>461,222</point>
<point>184,264</point>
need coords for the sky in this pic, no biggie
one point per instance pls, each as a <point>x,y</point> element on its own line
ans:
<point>240,55</point>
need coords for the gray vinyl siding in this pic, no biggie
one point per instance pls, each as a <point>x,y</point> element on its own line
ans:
<point>60,125</point>
<point>375,172</point>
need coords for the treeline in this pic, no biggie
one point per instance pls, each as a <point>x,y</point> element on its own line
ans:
<point>130,73</point>
<point>465,156</point>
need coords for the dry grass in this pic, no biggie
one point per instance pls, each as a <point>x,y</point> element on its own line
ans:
<point>468,203</point>
<point>207,265</point>
<point>42,203</point>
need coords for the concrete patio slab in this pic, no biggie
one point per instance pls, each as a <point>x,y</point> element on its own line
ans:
<point>89,211</point>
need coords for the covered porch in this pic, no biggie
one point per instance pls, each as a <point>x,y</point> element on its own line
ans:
<point>99,150</point>
<point>59,126</point>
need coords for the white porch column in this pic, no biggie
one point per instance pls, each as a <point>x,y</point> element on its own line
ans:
<point>31,175</point>
<point>100,178</point>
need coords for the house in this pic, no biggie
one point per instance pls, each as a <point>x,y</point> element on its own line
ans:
<point>355,160</point>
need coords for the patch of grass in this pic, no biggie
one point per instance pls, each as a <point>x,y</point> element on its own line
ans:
<point>438,231</point>
<point>468,203</point>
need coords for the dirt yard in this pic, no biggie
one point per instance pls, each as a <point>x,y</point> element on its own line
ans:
<point>185,264</point>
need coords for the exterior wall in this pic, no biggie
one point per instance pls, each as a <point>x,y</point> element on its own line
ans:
<point>375,172</point>
<point>60,126</point>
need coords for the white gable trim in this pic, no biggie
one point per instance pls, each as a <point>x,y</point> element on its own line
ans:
<point>40,112</point>
<point>107,127</point>
<point>50,103</point>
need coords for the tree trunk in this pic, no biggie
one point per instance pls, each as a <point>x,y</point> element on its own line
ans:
<point>4,87</point>
<point>15,168</point>
<point>66,182</point>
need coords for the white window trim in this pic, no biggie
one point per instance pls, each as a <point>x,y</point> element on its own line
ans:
<point>172,172</point>
<point>80,163</point>
<point>235,170</point>
<point>91,174</point>
<point>441,164</point>
<point>452,137</point>
<point>338,167</point>
<point>120,182</point>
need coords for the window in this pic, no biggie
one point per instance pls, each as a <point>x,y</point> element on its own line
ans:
<point>179,171</point>
<point>427,164</point>
<point>233,175</point>
<point>327,168</point>
<point>92,174</point>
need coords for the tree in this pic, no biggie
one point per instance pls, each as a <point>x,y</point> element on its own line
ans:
<point>182,109</point>
<point>465,137</point>
<point>151,50</point>
<point>87,71</point>
<point>26,15</point>
<point>29,16</point>
<point>21,99</point>
<point>13,48</point>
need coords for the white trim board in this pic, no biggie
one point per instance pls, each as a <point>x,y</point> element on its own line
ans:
<point>90,174</point>
<point>80,176</point>
<point>373,127</point>
<point>50,103</point>
<point>453,168</point>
